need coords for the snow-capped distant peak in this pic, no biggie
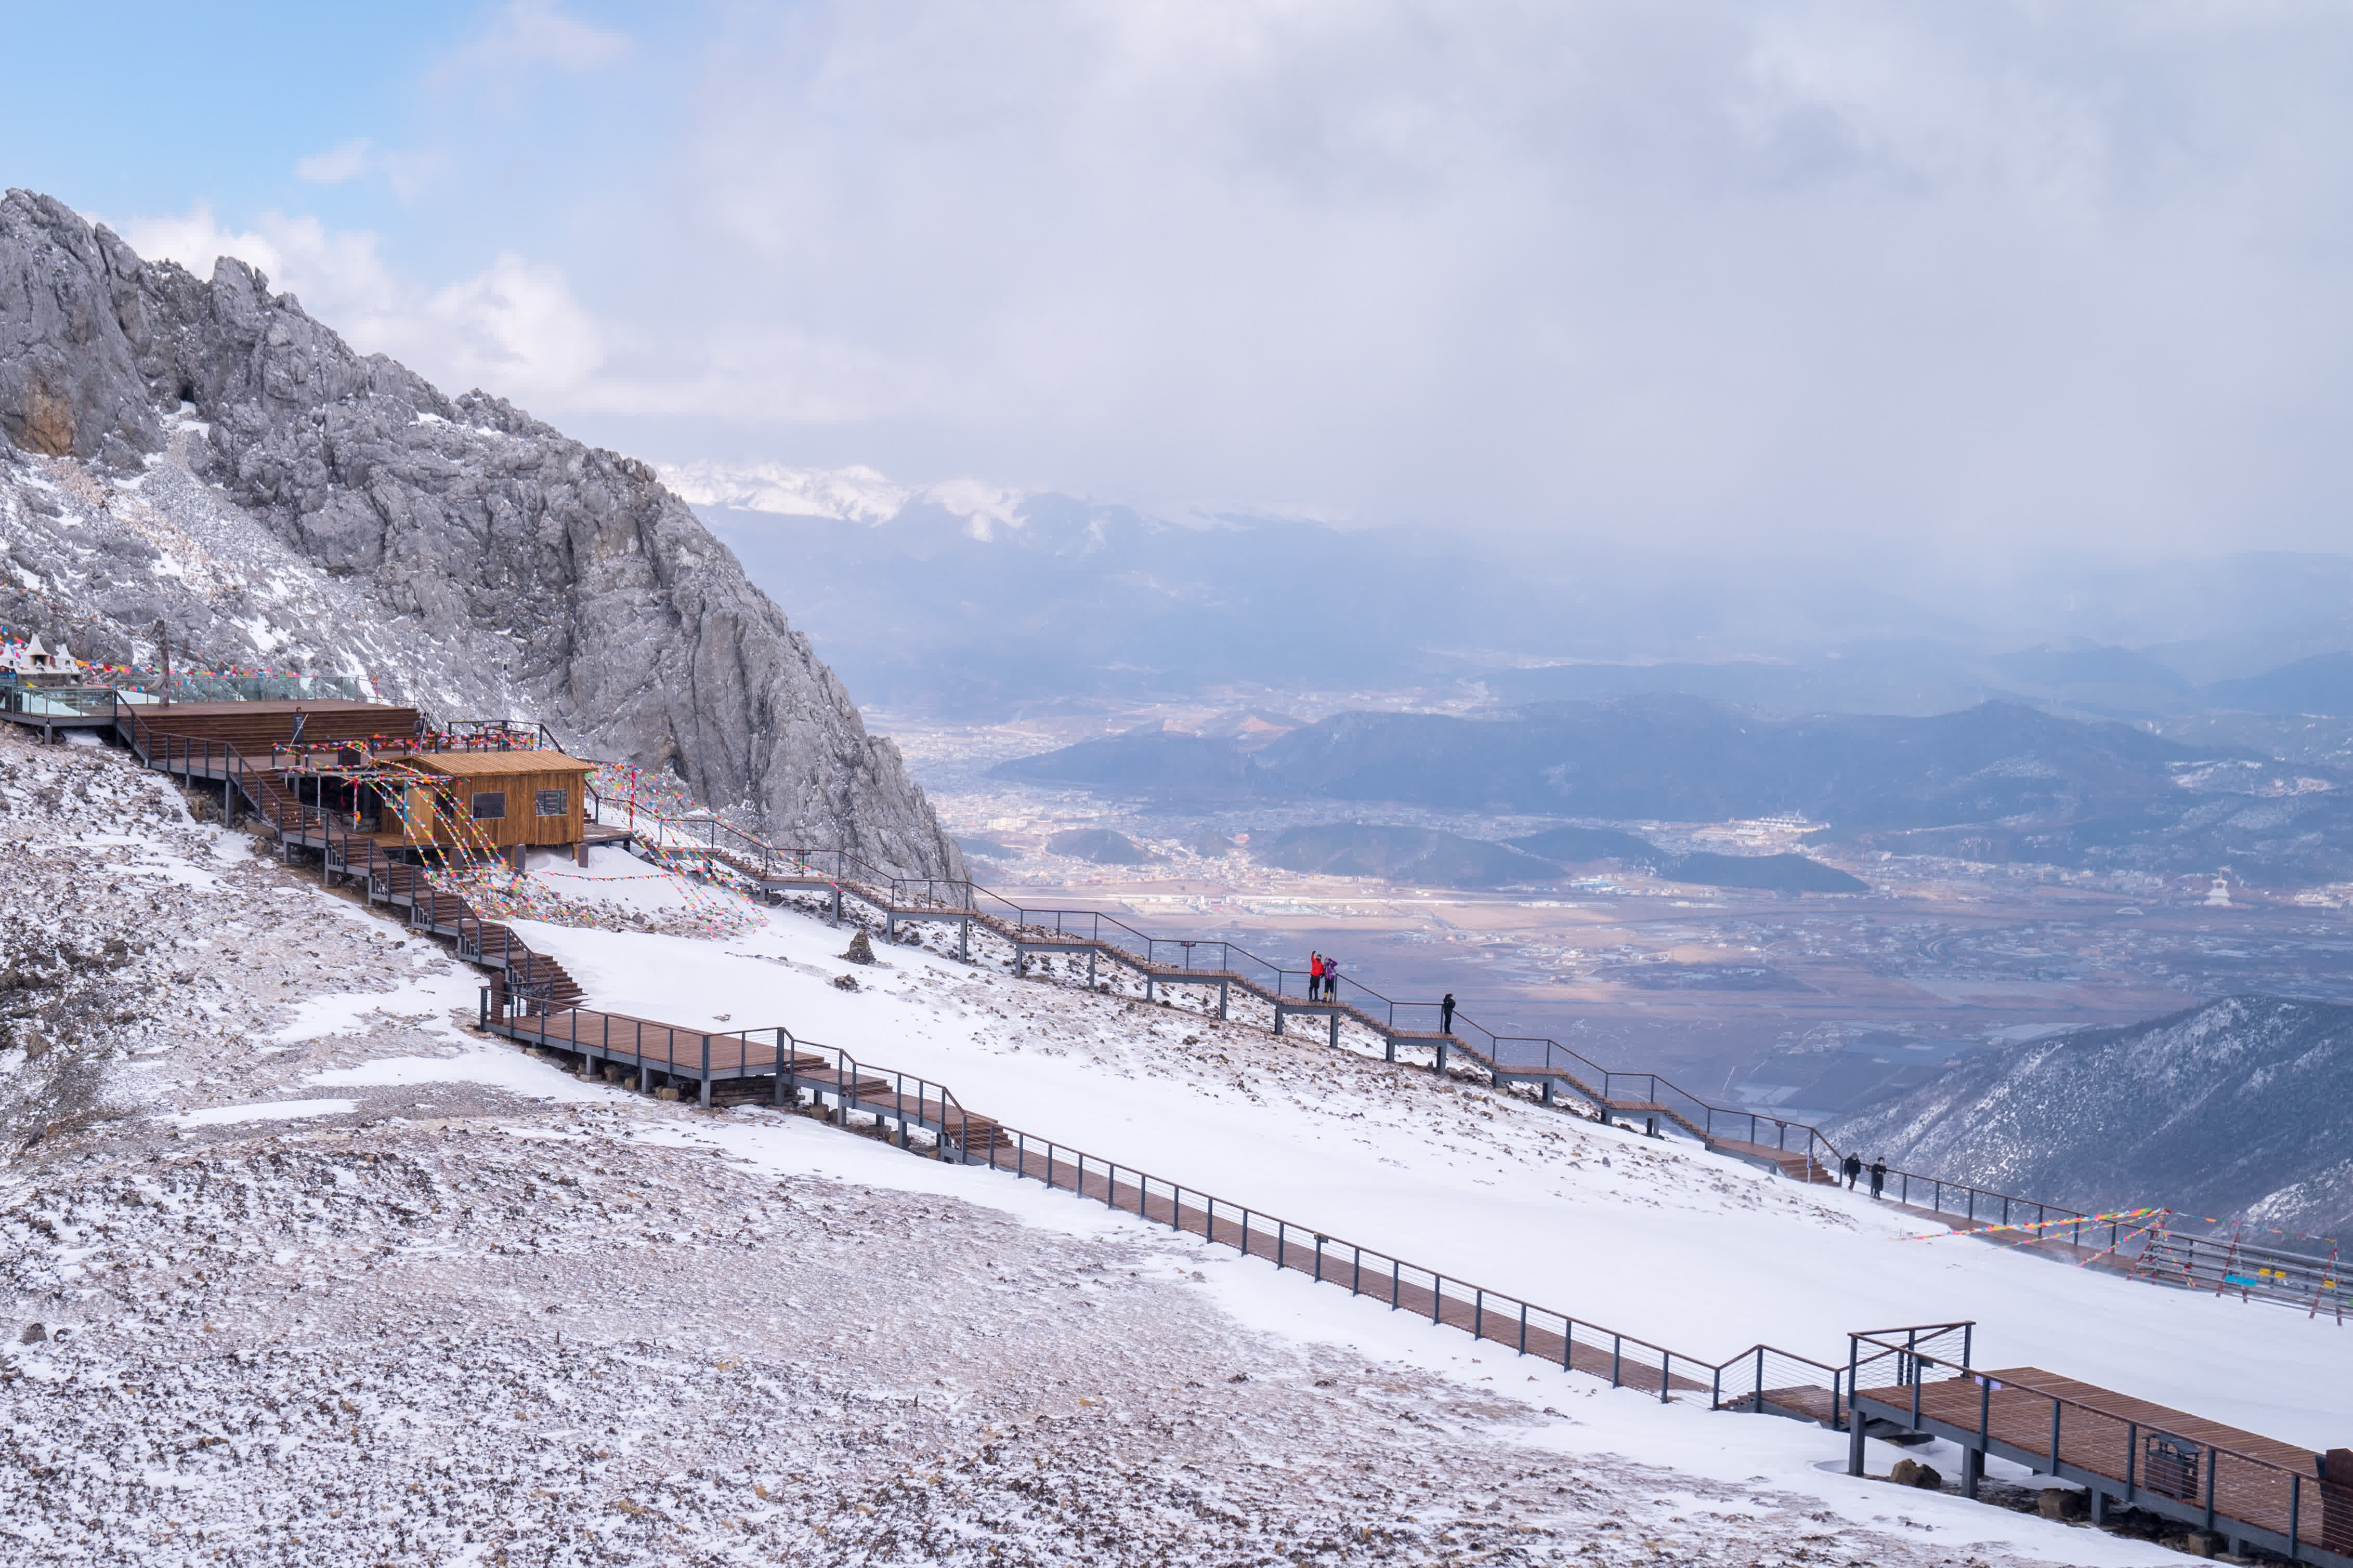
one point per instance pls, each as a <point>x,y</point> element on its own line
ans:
<point>855,494</point>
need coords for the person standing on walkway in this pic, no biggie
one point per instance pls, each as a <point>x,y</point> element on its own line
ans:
<point>1331,980</point>
<point>1878,1177</point>
<point>1315,976</point>
<point>1446,1015</point>
<point>1852,1167</point>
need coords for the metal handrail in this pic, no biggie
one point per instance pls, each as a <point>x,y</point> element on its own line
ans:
<point>846,1072</point>
<point>1913,1361</point>
<point>1494,1315</point>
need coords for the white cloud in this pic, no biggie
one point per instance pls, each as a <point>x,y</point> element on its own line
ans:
<point>984,507</point>
<point>514,330</point>
<point>533,33</point>
<point>1775,269</point>
<point>336,164</point>
<point>338,274</point>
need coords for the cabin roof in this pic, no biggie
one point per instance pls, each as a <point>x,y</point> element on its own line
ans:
<point>493,765</point>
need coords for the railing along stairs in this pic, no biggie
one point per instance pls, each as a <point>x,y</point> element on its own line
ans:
<point>345,851</point>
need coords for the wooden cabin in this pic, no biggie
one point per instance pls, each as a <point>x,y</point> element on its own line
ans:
<point>516,799</point>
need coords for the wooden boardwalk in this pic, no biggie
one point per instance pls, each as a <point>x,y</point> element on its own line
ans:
<point>2128,1451</point>
<point>748,1067</point>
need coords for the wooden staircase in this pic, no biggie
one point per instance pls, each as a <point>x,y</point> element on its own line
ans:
<point>201,740</point>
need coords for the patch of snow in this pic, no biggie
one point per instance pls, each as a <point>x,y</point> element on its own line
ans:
<point>264,1110</point>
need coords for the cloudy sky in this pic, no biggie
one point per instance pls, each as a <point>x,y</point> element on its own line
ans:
<point>1797,272</point>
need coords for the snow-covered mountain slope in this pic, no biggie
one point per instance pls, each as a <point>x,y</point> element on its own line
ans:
<point>1696,1251</point>
<point>2229,1109</point>
<point>457,549</point>
<point>314,1273</point>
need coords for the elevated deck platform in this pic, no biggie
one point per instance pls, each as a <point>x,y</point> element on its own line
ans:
<point>49,719</point>
<point>253,728</point>
<point>2251,1490</point>
<point>748,1066</point>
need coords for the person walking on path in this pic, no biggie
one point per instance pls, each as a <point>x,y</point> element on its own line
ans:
<point>1878,1177</point>
<point>1315,976</point>
<point>1446,1015</point>
<point>1852,1167</point>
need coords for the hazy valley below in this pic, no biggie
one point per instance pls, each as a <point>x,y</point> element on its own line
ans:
<point>1822,920</point>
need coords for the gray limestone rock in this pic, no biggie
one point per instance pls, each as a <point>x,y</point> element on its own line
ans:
<point>473,553</point>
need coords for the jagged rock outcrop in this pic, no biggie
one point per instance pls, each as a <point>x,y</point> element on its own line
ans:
<point>469,533</point>
<point>2227,1110</point>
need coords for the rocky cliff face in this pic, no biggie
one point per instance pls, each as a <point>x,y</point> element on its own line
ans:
<point>204,452</point>
<point>2229,1111</point>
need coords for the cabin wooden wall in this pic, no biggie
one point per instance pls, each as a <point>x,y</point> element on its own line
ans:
<point>522,824</point>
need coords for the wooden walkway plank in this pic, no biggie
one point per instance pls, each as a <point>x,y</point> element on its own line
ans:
<point>2135,1447</point>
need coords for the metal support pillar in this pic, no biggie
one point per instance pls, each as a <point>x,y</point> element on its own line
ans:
<point>1221,998</point>
<point>1335,1031</point>
<point>1547,1093</point>
<point>1389,1043</point>
<point>1972,1471</point>
<point>964,939</point>
<point>1855,1421</point>
<point>836,906</point>
<point>890,925</point>
<point>1439,1067</point>
<point>1091,969</point>
<point>1280,1014</point>
<point>1147,987</point>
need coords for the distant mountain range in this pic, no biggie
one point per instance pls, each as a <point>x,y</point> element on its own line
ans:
<point>1435,858</point>
<point>2231,1110</point>
<point>2322,684</point>
<point>972,598</point>
<point>1999,781</point>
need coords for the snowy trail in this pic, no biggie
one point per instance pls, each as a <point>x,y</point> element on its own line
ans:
<point>1696,1251</point>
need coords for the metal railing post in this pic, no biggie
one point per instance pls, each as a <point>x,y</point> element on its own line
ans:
<point>2213,1458</point>
<point>1855,1422</point>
